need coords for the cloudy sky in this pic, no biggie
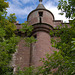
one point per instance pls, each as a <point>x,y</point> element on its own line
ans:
<point>23,7</point>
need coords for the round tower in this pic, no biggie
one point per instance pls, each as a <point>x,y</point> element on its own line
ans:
<point>42,21</point>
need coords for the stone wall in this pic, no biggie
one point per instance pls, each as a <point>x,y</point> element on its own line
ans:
<point>21,57</point>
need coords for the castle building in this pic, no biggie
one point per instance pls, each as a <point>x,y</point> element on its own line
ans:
<point>42,21</point>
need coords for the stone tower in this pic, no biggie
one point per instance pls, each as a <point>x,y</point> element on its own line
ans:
<point>43,21</point>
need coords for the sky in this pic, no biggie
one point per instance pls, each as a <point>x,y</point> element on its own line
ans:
<point>22,8</point>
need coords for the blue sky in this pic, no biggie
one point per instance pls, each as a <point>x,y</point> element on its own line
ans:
<point>22,8</point>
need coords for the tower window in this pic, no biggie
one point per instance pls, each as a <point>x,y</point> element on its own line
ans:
<point>40,19</point>
<point>35,36</point>
<point>40,14</point>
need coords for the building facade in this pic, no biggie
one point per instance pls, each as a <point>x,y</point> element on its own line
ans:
<point>42,21</point>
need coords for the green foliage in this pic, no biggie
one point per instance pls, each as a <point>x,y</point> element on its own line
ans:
<point>6,70</point>
<point>2,33</point>
<point>53,42</point>
<point>8,40</point>
<point>66,47</point>
<point>7,47</point>
<point>56,64</point>
<point>30,40</point>
<point>51,63</point>
<point>26,28</point>
<point>3,5</point>
<point>12,18</point>
<point>73,47</point>
<point>51,33</point>
<point>63,62</point>
<point>8,27</point>
<point>68,7</point>
<point>26,71</point>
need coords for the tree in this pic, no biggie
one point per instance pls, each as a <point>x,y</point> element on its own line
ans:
<point>7,40</point>
<point>3,5</point>
<point>28,30</point>
<point>68,7</point>
<point>12,18</point>
<point>62,62</point>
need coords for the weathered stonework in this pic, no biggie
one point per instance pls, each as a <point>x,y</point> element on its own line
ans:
<point>28,56</point>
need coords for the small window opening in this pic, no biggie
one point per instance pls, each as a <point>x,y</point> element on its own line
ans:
<point>35,36</point>
<point>40,19</point>
<point>40,14</point>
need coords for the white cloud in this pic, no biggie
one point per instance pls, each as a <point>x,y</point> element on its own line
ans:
<point>20,12</point>
<point>16,7</point>
<point>16,2</point>
<point>49,5</point>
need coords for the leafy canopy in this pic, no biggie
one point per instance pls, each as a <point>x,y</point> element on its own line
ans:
<point>8,40</point>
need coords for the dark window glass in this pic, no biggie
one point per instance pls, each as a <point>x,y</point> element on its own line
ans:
<point>40,14</point>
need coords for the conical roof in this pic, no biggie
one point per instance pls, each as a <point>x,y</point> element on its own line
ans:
<point>40,6</point>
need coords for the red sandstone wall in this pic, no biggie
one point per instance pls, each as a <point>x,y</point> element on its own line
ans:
<point>57,22</point>
<point>41,48</point>
<point>22,56</point>
<point>34,17</point>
